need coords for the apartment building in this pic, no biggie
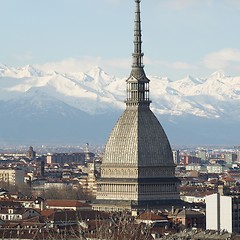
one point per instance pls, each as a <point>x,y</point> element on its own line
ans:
<point>12,176</point>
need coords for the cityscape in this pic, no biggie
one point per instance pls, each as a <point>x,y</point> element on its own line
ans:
<point>46,192</point>
<point>134,186</point>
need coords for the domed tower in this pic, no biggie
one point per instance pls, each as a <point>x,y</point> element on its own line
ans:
<point>137,168</point>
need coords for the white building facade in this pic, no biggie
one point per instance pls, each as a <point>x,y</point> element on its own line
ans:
<point>195,167</point>
<point>222,213</point>
<point>215,168</point>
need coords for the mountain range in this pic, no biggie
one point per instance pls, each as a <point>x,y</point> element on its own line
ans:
<point>39,107</point>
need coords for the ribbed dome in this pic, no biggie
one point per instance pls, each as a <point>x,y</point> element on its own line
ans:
<point>138,139</point>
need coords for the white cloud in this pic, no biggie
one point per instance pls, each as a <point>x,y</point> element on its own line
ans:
<point>227,58</point>
<point>71,65</point>
<point>118,67</point>
<point>86,63</point>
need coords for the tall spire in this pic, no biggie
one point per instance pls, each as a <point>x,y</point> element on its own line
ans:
<point>137,55</point>
<point>137,83</point>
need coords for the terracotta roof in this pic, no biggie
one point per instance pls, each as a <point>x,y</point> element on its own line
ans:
<point>151,216</point>
<point>47,212</point>
<point>66,203</point>
<point>199,193</point>
<point>228,179</point>
<point>71,215</point>
<point>190,213</point>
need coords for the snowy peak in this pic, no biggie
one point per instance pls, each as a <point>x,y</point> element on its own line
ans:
<point>21,72</point>
<point>217,75</point>
<point>29,71</point>
<point>5,71</point>
<point>95,72</point>
<point>96,92</point>
<point>3,67</point>
<point>60,107</point>
<point>99,76</point>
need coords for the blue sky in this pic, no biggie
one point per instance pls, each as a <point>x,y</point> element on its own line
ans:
<point>180,37</point>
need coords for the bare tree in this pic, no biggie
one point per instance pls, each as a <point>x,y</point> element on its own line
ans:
<point>66,193</point>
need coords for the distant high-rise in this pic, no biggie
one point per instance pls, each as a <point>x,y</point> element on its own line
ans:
<point>176,156</point>
<point>238,154</point>
<point>202,153</point>
<point>31,154</point>
<point>137,169</point>
<point>87,154</point>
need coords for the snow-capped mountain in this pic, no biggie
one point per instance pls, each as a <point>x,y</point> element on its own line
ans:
<point>90,92</point>
<point>29,95</point>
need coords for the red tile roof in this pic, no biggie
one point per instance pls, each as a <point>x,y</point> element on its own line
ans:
<point>66,203</point>
<point>151,216</point>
